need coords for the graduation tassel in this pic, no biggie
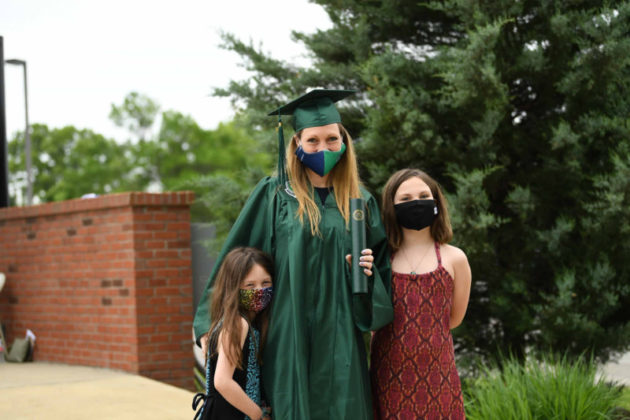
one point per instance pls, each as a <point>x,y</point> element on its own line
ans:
<point>282,172</point>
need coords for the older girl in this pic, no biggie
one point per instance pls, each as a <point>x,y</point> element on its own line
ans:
<point>413,366</point>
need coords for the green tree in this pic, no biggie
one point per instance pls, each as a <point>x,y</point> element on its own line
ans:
<point>137,114</point>
<point>68,162</point>
<point>221,166</point>
<point>521,111</point>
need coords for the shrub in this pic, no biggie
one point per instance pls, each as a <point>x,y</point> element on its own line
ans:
<point>552,388</point>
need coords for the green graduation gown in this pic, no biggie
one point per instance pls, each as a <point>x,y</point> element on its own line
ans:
<point>314,362</point>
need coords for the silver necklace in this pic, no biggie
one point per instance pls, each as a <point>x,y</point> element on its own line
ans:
<point>421,259</point>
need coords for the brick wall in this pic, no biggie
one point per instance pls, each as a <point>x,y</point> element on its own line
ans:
<point>103,282</point>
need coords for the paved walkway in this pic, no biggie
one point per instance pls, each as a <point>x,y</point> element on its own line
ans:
<point>53,391</point>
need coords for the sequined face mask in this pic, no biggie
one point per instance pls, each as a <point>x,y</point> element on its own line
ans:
<point>255,299</point>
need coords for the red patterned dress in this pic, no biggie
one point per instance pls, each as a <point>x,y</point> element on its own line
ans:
<point>413,365</point>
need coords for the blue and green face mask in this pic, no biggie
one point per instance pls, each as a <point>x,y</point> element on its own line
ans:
<point>320,162</point>
<point>313,109</point>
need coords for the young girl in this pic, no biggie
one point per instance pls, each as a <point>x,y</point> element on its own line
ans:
<point>413,366</point>
<point>239,310</point>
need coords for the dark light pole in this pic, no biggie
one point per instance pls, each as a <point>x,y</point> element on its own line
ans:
<point>27,136</point>
<point>4,152</point>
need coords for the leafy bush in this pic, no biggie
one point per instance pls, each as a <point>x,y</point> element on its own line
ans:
<point>552,388</point>
<point>624,403</point>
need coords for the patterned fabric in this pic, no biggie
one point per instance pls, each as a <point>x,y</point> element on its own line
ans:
<point>413,365</point>
<point>255,299</point>
<point>252,387</point>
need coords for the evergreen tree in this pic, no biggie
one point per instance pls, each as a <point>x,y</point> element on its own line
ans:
<point>521,111</point>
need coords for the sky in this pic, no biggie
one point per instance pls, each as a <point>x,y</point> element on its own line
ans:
<point>84,55</point>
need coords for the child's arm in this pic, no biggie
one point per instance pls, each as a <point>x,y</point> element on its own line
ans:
<point>227,386</point>
<point>461,286</point>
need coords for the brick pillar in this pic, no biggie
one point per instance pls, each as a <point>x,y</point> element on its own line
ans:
<point>103,282</point>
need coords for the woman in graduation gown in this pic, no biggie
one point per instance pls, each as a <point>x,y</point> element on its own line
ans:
<point>314,361</point>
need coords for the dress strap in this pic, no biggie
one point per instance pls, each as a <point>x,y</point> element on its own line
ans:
<point>437,253</point>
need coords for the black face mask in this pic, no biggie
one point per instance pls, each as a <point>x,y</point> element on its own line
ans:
<point>416,214</point>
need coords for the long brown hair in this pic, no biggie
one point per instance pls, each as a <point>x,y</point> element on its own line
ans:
<point>344,179</point>
<point>441,230</point>
<point>224,308</point>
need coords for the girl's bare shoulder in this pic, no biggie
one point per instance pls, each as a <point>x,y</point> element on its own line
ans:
<point>244,329</point>
<point>453,254</point>
<point>224,335</point>
<point>244,323</point>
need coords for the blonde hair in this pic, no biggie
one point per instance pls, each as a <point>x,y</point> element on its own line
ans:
<point>344,178</point>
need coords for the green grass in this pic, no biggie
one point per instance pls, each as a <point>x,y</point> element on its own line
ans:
<point>624,399</point>
<point>551,389</point>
